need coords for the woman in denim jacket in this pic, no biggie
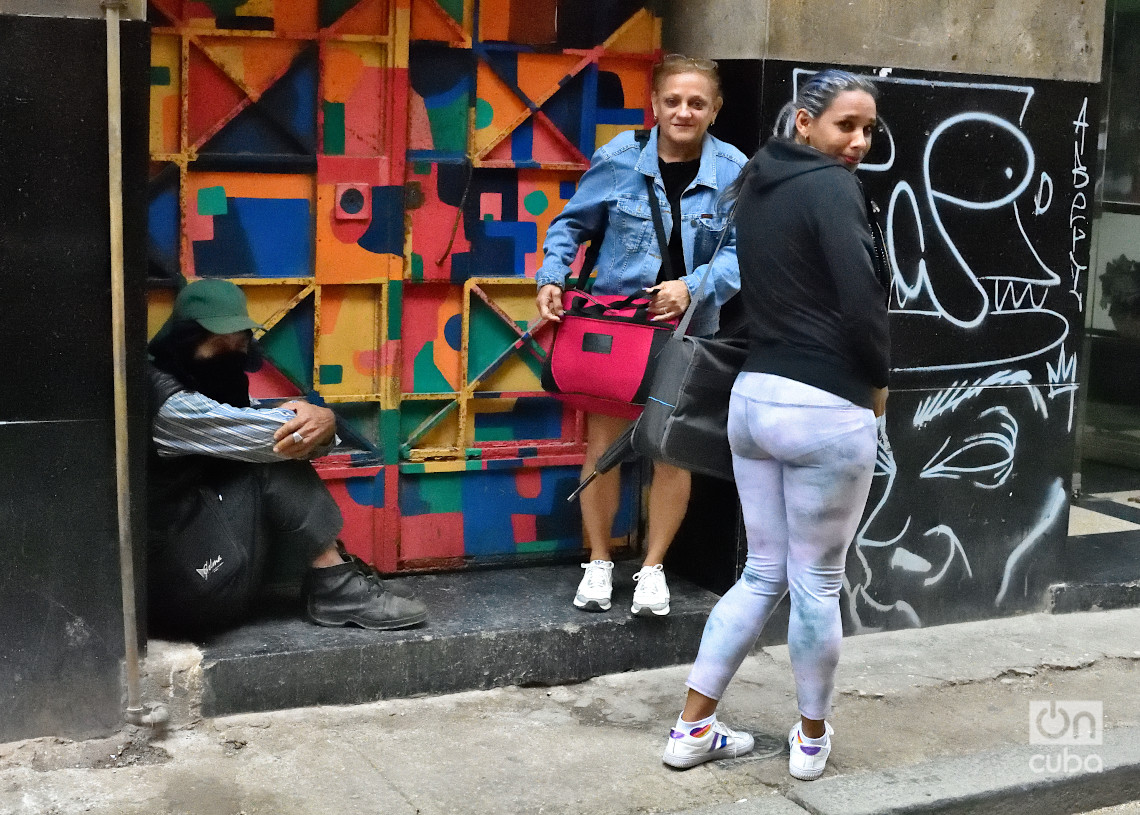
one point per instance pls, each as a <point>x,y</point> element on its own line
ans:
<point>690,169</point>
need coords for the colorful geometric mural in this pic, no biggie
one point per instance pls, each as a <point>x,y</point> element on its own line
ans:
<point>378,176</point>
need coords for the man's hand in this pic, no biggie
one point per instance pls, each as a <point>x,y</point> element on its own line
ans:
<point>670,299</point>
<point>314,426</point>
<point>549,302</point>
<point>879,401</point>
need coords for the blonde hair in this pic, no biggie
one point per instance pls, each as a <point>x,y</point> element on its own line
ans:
<point>673,64</point>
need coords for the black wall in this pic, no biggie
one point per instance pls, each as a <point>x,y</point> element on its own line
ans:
<point>61,640</point>
<point>984,185</point>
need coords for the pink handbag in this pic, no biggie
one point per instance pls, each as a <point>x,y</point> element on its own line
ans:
<point>601,360</point>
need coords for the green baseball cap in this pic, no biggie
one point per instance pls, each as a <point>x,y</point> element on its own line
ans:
<point>216,305</point>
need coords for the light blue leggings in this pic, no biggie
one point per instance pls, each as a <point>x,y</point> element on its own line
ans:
<point>803,460</point>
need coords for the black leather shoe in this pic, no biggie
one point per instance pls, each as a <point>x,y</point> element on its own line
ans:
<point>350,595</point>
<point>397,589</point>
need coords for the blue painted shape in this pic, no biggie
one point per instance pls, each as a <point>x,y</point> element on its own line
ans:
<point>566,190</point>
<point>453,331</point>
<point>258,237</point>
<point>460,90</point>
<point>368,491</point>
<point>282,122</point>
<point>566,109</point>
<point>489,500</point>
<point>292,100</point>
<point>620,116</point>
<point>524,238</point>
<point>522,142</point>
<point>411,502</point>
<point>461,267</point>
<point>528,419</point>
<point>162,230</point>
<point>385,235</point>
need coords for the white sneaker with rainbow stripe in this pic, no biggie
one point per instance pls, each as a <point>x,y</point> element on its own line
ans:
<point>690,747</point>
<point>807,761</point>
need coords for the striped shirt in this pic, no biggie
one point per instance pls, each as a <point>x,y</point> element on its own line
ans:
<point>189,423</point>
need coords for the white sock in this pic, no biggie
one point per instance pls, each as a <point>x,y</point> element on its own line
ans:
<point>689,727</point>
<point>821,740</point>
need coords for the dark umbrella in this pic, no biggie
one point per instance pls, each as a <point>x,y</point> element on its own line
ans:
<point>617,453</point>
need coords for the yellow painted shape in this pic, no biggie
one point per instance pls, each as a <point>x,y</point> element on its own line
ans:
<point>159,304</point>
<point>254,63</point>
<point>349,325</point>
<point>640,34</point>
<point>266,303</point>
<point>259,8</point>
<point>518,302</point>
<point>508,110</point>
<point>539,74</point>
<point>166,100</point>
<point>605,133</point>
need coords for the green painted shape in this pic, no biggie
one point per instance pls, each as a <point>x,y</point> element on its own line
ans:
<point>539,546</point>
<point>333,10</point>
<point>332,374</point>
<point>417,266</point>
<point>442,492</point>
<point>284,351</point>
<point>425,375</point>
<point>489,338</point>
<point>421,167</point>
<point>488,217</point>
<point>493,433</point>
<point>224,8</point>
<point>159,75</point>
<point>484,114</point>
<point>454,9</point>
<point>390,436</point>
<point>334,128</point>
<point>536,202</point>
<point>412,469</point>
<point>395,307</point>
<point>212,201</point>
<point>449,125</point>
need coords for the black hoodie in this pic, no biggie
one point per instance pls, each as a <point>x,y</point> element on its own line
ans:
<point>817,310</point>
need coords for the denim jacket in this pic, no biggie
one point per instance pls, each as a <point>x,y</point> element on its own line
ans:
<point>611,196</point>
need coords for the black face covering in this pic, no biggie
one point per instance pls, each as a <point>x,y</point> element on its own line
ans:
<point>222,377</point>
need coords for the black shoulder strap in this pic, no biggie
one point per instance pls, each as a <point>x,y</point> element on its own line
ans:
<point>591,258</point>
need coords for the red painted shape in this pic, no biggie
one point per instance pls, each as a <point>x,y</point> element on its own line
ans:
<point>269,383</point>
<point>214,98</point>
<point>432,536</point>
<point>525,528</point>
<point>528,483</point>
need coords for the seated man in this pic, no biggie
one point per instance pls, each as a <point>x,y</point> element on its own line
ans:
<point>228,480</point>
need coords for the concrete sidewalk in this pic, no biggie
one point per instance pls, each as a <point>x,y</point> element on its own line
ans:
<point>933,720</point>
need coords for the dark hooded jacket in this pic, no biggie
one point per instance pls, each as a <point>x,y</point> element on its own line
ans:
<point>815,298</point>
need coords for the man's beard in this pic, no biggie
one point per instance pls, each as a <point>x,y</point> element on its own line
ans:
<point>221,377</point>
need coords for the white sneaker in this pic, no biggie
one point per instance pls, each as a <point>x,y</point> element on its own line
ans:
<point>596,587</point>
<point>700,744</point>
<point>651,594</point>
<point>808,760</point>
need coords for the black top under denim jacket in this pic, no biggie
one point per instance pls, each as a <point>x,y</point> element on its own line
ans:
<point>814,281</point>
<point>676,176</point>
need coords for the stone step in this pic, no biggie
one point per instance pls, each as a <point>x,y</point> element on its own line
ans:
<point>486,629</point>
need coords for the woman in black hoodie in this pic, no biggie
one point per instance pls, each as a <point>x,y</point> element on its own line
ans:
<point>802,421</point>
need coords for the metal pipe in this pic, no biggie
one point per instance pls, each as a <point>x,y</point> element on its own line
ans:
<point>136,713</point>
